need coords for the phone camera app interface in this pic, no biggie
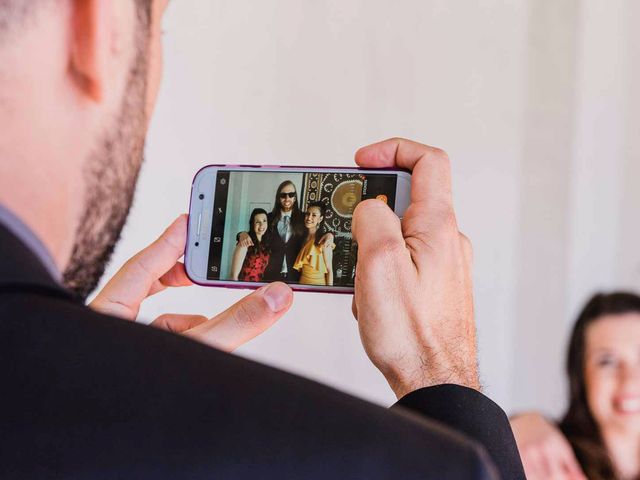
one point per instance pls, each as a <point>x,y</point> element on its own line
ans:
<point>289,226</point>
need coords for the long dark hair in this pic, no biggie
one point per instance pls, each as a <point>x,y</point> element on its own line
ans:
<point>321,230</point>
<point>578,423</point>
<point>258,245</point>
<point>297,217</point>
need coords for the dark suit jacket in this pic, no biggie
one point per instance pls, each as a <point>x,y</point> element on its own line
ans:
<point>281,250</point>
<point>85,395</point>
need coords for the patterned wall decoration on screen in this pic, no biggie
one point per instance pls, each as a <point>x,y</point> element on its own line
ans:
<point>340,193</point>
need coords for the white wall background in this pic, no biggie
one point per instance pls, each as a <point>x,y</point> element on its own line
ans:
<point>535,101</point>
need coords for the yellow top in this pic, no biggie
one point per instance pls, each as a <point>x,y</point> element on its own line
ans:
<point>311,264</point>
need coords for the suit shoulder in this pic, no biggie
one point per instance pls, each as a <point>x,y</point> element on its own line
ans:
<point>86,383</point>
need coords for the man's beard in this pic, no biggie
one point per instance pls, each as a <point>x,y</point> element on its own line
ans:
<point>111,174</point>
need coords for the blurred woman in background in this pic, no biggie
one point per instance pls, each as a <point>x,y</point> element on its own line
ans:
<point>599,436</point>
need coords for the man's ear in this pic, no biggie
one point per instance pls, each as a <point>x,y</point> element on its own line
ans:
<point>90,46</point>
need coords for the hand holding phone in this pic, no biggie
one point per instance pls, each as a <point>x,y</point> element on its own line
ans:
<point>413,293</point>
<point>158,267</point>
<point>251,225</point>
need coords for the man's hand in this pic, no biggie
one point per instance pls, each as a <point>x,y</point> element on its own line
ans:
<point>326,241</point>
<point>413,290</point>
<point>244,240</point>
<point>546,454</point>
<point>157,267</point>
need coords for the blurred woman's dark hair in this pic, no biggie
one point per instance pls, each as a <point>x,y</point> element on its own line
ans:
<point>578,424</point>
<point>262,245</point>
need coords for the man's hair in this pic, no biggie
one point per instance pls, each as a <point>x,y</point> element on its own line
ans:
<point>14,14</point>
<point>297,217</point>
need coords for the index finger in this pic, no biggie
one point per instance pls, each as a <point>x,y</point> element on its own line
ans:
<point>431,179</point>
<point>143,274</point>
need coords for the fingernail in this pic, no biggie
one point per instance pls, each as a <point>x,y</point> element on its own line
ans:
<point>277,296</point>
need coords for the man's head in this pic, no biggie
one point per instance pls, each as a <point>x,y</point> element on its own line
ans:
<point>286,196</point>
<point>78,81</point>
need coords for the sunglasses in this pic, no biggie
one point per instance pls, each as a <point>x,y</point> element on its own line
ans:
<point>288,194</point>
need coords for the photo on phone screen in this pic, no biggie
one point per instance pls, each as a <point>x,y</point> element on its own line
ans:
<point>289,226</point>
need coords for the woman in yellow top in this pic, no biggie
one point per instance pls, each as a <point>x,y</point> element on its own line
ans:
<point>315,263</point>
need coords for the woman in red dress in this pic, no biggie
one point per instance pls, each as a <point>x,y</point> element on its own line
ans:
<point>249,263</point>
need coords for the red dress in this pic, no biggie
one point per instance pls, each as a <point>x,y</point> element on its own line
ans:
<point>254,266</point>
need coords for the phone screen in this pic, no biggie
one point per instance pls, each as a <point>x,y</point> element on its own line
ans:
<point>298,224</point>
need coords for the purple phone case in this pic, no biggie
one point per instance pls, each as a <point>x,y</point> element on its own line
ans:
<point>257,285</point>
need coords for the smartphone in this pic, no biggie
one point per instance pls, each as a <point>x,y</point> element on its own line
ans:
<point>251,225</point>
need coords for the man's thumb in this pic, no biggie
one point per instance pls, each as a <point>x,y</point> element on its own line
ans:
<point>246,319</point>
